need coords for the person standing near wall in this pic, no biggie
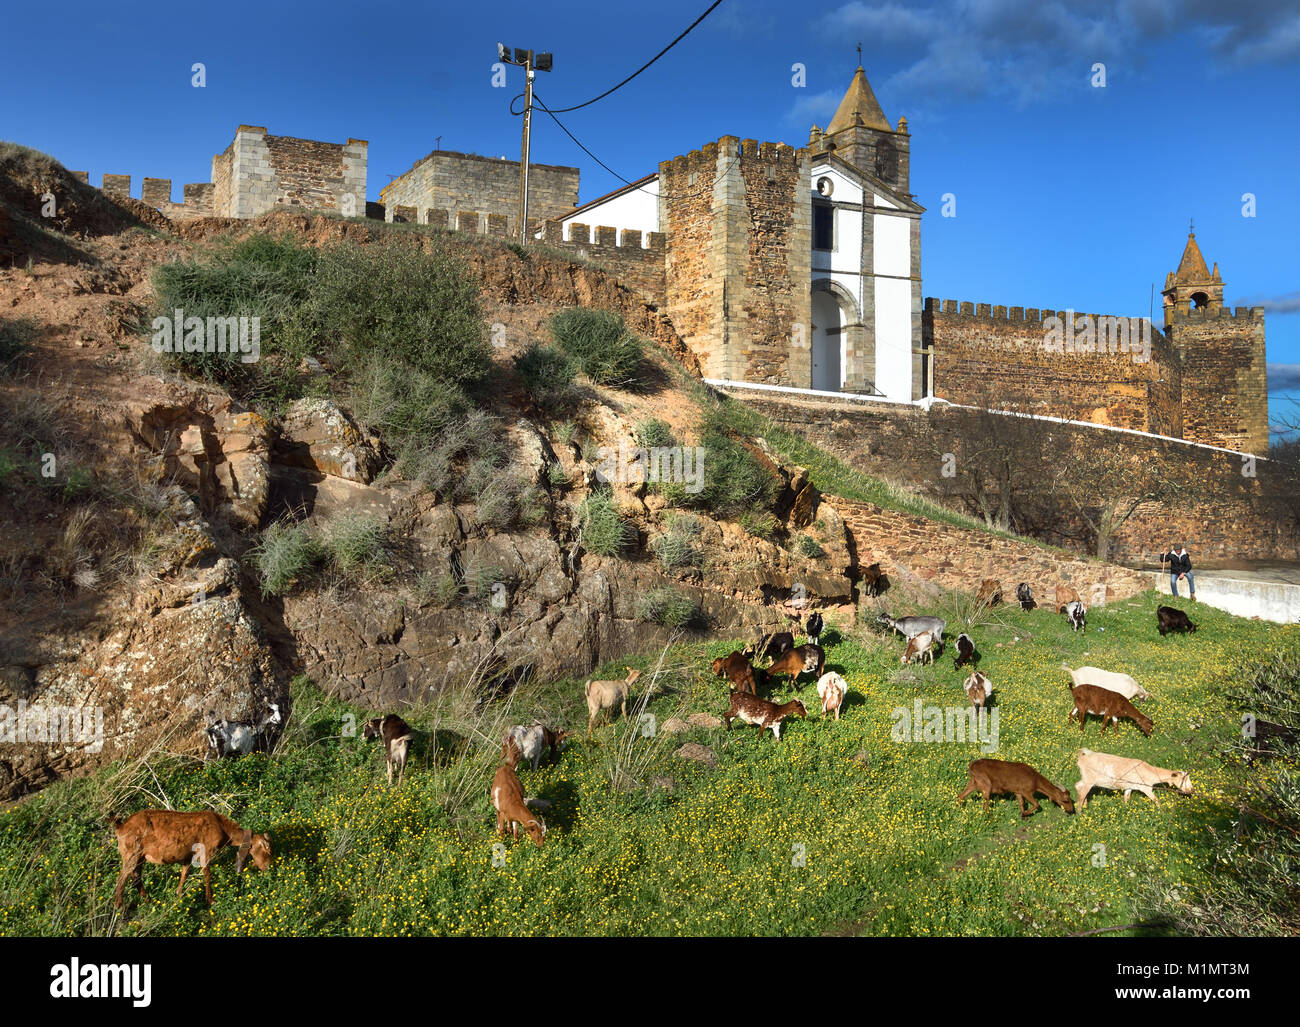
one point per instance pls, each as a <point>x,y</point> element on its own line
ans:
<point>1180,566</point>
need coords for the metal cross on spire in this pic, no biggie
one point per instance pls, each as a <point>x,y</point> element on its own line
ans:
<point>859,55</point>
<point>1191,226</point>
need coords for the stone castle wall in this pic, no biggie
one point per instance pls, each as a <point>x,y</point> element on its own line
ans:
<point>454,182</point>
<point>258,172</point>
<point>1224,378</point>
<point>738,221</point>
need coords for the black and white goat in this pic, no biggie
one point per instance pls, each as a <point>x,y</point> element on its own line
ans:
<point>236,738</point>
<point>1077,614</point>
<point>397,735</point>
<point>814,628</point>
<point>1025,596</point>
<point>965,651</point>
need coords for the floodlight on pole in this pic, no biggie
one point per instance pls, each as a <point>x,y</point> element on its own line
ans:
<point>531,63</point>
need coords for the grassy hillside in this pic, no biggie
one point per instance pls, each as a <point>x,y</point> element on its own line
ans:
<point>886,849</point>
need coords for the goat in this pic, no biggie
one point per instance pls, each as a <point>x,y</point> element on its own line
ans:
<point>753,710</point>
<point>1108,705</point>
<point>919,647</point>
<point>508,798</point>
<point>1170,619</point>
<point>990,592</point>
<point>910,626</point>
<point>772,645</point>
<point>806,659</point>
<point>873,579</point>
<point>832,688</point>
<point>1019,779</point>
<point>1065,594</point>
<point>605,695</point>
<point>1100,770</point>
<point>979,689</point>
<point>738,670</point>
<point>1025,596</point>
<point>397,735</point>
<point>168,836</point>
<point>965,651</point>
<point>1116,682</point>
<point>533,738</point>
<point>1077,614</point>
<point>814,628</point>
<point>236,738</point>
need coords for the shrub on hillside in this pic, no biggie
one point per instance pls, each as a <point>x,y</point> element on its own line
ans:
<point>604,531</point>
<point>653,433</point>
<point>15,335</point>
<point>668,607</point>
<point>674,548</point>
<point>731,481</point>
<point>393,300</point>
<point>547,374</point>
<point>353,541</point>
<point>286,553</point>
<point>604,349</point>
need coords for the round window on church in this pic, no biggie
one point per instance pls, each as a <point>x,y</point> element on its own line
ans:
<point>825,186</point>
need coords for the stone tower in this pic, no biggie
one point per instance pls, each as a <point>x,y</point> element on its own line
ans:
<point>1224,378</point>
<point>861,134</point>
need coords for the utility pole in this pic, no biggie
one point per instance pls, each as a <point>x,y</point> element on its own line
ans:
<point>531,62</point>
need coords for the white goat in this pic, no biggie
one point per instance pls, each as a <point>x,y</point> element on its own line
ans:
<point>1113,680</point>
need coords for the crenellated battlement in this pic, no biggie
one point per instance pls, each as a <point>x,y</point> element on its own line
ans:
<point>744,151</point>
<point>1202,314</point>
<point>1012,315</point>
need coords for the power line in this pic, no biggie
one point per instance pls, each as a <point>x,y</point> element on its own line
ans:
<point>565,110</point>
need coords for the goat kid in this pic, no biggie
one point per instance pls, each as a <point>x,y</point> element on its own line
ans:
<point>766,714</point>
<point>533,738</point>
<point>919,647</point>
<point>997,777</point>
<point>1113,680</point>
<point>236,738</point>
<point>738,670</point>
<point>169,836</point>
<point>397,735</point>
<point>965,650</point>
<point>605,695</point>
<point>508,799</point>
<point>979,689</point>
<point>1101,770</point>
<point>832,688</point>
<point>1025,596</point>
<point>814,628</point>
<point>1110,706</point>
<point>1077,614</point>
<point>1065,594</point>
<point>1170,619</point>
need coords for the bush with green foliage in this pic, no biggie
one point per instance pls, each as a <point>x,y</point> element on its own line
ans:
<point>547,374</point>
<point>354,541</point>
<point>286,553</point>
<point>653,433</point>
<point>667,606</point>
<point>732,481</point>
<point>674,548</point>
<point>809,547</point>
<point>604,531</point>
<point>604,349</point>
<point>762,525</point>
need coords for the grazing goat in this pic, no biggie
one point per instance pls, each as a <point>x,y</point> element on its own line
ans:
<point>1109,706</point>
<point>1170,619</point>
<point>236,738</point>
<point>508,798</point>
<point>1100,770</point>
<point>995,777</point>
<point>753,710</point>
<point>1116,682</point>
<point>814,628</point>
<point>990,592</point>
<point>832,688</point>
<point>873,580</point>
<point>979,688</point>
<point>1065,594</point>
<point>910,626</point>
<point>738,670</point>
<point>605,695</point>
<point>535,737</point>
<point>919,647</point>
<point>965,651</point>
<point>397,735</point>
<point>806,659</point>
<point>1077,614</point>
<point>772,645</point>
<point>1025,596</point>
<point>168,836</point>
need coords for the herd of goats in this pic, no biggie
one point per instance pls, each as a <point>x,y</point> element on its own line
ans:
<point>193,838</point>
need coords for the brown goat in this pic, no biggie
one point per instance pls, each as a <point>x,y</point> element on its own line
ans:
<point>168,836</point>
<point>990,592</point>
<point>764,713</point>
<point>397,735</point>
<point>1065,595</point>
<point>738,671</point>
<point>804,659</point>
<point>508,798</point>
<point>995,777</point>
<point>1109,706</point>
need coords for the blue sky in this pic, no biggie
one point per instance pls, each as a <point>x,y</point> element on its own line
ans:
<point>1067,195</point>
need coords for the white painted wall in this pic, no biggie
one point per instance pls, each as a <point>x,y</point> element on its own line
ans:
<point>637,209</point>
<point>894,338</point>
<point>891,245</point>
<point>828,343</point>
<point>1268,600</point>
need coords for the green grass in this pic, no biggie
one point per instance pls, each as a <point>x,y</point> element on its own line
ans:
<point>601,345</point>
<point>887,850</point>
